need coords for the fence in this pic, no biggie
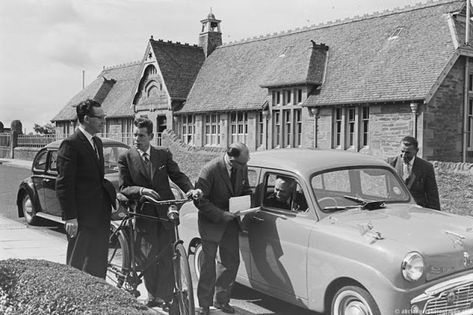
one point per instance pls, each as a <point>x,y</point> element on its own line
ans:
<point>35,141</point>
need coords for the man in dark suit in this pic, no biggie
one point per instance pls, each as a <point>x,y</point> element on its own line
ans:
<point>417,173</point>
<point>84,195</point>
<point>220,179</point>
<point>145,170</point>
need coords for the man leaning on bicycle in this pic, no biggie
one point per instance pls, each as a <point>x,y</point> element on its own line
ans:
<point>146,170</point>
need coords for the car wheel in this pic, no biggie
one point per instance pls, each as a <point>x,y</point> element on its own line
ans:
<point>28,209</point>
<point>353,300</point>
<point>198,255</point>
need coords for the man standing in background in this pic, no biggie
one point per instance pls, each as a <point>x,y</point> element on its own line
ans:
<point>418,174</point>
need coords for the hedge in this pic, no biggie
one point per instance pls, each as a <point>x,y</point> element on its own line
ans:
<point>34,286</point>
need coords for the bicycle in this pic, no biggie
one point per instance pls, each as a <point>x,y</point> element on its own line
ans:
<point>123,269</point>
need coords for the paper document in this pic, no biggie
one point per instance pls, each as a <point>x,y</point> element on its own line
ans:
<point>241,205</point>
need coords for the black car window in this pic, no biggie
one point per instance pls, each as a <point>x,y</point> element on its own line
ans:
<point>110,157</point>
<point>52,162</point>
<point>39,163</point>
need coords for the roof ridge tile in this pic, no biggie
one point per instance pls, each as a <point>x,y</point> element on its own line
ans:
<point>122,65</point>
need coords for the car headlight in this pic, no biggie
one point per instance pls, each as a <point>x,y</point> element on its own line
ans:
<point>412,266</point>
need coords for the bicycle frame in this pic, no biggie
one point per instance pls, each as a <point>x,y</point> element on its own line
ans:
<point>129,277</point>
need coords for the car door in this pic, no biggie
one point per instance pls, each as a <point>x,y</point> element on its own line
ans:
<point>39,170</point>
<point>244,271</point>
<point>49,183</point>
<point>278,241</point>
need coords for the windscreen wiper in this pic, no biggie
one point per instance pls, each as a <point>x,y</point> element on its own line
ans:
<point>365,204</point>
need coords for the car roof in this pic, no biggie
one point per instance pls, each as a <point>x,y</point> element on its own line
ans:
<point>106,142</point>
<point>309,161</point>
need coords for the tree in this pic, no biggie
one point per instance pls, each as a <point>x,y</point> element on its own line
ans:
<point>47,129</point>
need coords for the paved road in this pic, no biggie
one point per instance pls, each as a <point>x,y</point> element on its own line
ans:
<point>248,301</point>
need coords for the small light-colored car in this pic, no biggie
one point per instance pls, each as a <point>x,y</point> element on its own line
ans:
<point>36,196</point>
<point>351,240</point>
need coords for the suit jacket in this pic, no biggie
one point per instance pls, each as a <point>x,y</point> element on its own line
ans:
<point>133,175</point>
<point>82,191</point>
<point>421,183</point>
<point>214,181</point>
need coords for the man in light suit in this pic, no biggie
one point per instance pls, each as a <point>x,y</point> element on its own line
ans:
<point>84,195</point>
<point>417,173</point>
<point>145,170</point>
<point>220,179</point>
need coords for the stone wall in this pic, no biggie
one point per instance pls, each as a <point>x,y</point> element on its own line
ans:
<point>25,153</point>
<point>190,159</point>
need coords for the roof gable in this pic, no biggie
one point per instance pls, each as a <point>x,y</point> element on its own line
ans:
<point>179,65</point>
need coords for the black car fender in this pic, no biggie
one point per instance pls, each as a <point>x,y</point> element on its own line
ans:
<point>26,187</point>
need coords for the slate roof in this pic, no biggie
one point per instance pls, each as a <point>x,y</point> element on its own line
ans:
<point>364,65</point>
<point>179,65</point>
<point>113,89</point>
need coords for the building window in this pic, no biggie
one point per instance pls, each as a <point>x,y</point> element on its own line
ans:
<point>350,127</point>
<point>188,129</point>
<point>365,119</point>
<point>212,130</point>
<point>470,124</point>
<point>260,132</point>
<point>350,143</point>
<point>298,96</point>
<point>276,98</point>
<point>277,129</point>
<point>239,127</point>
<point>297,127</point>
<point>287,97</point>
<point>287,128</point>
<point>337,128</point>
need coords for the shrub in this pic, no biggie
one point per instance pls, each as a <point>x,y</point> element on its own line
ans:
<point>34,286</point>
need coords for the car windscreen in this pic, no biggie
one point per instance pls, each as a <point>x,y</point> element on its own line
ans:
<point>342,188</point>
<point>110,156</point>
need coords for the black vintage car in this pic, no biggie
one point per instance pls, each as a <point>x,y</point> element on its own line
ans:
<point>36,197</point>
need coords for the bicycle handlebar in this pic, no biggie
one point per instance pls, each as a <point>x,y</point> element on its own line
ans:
<point>156,202</point>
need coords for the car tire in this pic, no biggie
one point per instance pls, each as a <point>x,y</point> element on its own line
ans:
<point>29,212</point>
<point>353,300</point>
<point>198,255</point>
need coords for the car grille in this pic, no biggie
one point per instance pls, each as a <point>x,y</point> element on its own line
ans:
<point>452,300</point>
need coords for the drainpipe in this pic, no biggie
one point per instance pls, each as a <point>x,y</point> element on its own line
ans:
<point>414,108</point>
<point>315,113</point>
<point>465,98</point>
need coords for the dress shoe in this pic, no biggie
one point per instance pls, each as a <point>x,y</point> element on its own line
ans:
<point>226,308</point>
<point>204,310</point>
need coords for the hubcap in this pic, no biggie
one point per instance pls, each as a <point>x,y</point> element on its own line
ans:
<point>356,308</point>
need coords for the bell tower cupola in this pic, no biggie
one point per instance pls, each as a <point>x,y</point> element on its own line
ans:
<point>210,36</point>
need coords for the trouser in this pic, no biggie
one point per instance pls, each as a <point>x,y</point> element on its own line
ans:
<point>218,278</point>
<point>88,251</point>
<point>152,241</point>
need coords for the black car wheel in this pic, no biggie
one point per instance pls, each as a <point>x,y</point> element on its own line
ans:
<point>28,209</point>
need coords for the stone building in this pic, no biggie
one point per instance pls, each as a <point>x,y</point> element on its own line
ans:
<point>358,84</point>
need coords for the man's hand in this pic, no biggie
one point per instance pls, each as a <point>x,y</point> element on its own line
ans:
<point>228,216</point>
<point>151,193</point>
<point>195,193</point>
<point>71,227</point>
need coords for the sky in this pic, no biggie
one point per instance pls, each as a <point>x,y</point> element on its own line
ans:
<point>46,45</point>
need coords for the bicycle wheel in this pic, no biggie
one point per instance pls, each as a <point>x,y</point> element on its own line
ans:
<point>118,261</point>
<point>183,281</point>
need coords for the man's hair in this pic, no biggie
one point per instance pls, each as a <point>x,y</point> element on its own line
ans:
<point>288,180</point>
<point>142,122</point>
<point>85,108</point>
<point>409,140</point>
<point>235,149</point>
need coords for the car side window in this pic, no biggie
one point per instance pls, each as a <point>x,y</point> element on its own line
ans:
<point>284,192</point>
<point>252,179</point>
<point>40,161</point>
<point>52,164</point>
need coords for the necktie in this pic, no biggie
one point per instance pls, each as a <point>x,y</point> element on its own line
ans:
<point>147,163</point>
<point>233,177</point>
<point>94,141</point>
<point>406,171</point>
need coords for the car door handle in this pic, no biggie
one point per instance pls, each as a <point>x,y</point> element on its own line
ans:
<point>47,180</point>
<point>257,219</point>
